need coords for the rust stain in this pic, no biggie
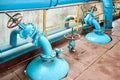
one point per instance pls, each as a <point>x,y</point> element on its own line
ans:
<point>110,67</point>
<point>105,70</point>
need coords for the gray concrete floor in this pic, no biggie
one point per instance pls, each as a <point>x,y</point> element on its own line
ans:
<point>90,61</point>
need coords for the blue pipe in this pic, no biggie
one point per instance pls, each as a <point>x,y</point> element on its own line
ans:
<point>38,37</point>
<point>20,50</point>
<point>13,37</point>
<point>41,40</point>
<point>6,5</point>
<point>68,18</point>
<point>108,10</point>
<point>90,19</point>
<point>15,52</point>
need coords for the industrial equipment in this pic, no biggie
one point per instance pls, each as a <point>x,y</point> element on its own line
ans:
<point>47,66</point>
<point>71,37</point>
<point>98,35</point>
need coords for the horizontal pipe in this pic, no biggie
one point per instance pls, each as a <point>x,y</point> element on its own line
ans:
<point>8,46</point>
<point>15,52</point>
<point>7,5</point>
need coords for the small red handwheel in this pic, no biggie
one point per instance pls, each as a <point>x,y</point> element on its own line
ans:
<point>14,20</point>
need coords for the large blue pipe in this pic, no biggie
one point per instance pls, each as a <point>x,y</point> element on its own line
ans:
<point>33,4</point>
<point>42,41</point>
<point>108,10</point>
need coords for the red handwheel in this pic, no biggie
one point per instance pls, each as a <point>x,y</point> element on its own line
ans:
<point>14,20</point>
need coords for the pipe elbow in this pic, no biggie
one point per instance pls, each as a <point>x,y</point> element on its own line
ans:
<point>89,19</point>
<point>13,37</point>
<point>45,44</point>
<point>68,18</point>
<point>96,25</point>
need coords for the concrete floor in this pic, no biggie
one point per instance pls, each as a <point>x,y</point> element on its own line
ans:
<point>90,61</point>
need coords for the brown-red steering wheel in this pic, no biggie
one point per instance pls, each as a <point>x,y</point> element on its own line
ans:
<point>14,20</point>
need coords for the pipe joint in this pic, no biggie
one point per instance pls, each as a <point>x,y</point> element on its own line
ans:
<point>46,58</point>
<point>54,2</point>
<point>49,58</point>
<point>27,30</point>
<point>98,31</point>
<point>88,19</point>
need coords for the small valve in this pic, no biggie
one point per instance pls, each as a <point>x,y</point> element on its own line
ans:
<point>71,37</point>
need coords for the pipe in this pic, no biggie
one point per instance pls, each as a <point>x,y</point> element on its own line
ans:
<point>8,47</point>
<point>13,37</point>
<point>15,52</point>
<point>67,19</point>
<point>108,10</point>
<point>7,5</point>
<point>89,19</point>
<point>41,40</point>
<point>20,50</point>
<point>96,25</point>
<point>38,38</point>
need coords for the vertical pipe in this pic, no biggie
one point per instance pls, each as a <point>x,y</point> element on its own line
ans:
<point>108,10</point>
<point>46,46</point>
<point>96,24</point>
<point>13,37</point>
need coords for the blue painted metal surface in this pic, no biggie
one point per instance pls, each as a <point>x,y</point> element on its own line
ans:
<point>55,70</point>
<point>33,4</point>
<point>13,37</point>
<point>15,52</point>
<point>43,67</point>
<point>71,45</point>
<point>97,36</point>
<point>108,10</point>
